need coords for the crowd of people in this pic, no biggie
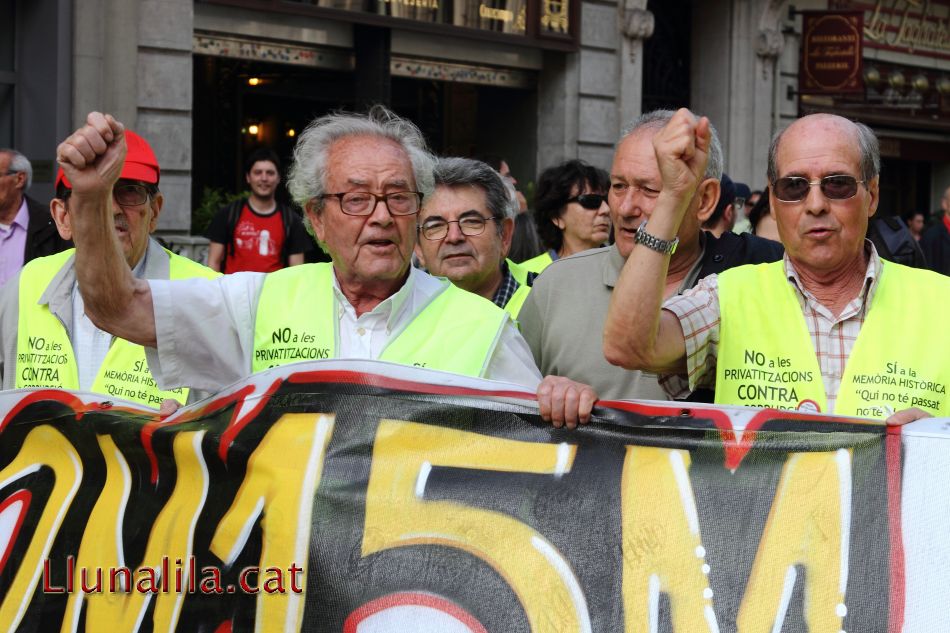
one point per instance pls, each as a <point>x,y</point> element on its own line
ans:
<point>662,279</point>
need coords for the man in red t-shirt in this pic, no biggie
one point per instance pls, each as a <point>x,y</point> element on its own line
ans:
<point>258,233</point>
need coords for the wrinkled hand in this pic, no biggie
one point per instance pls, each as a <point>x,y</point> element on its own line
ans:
<point>92,156</point>
<point>682,147</point>
<point>905,416</point>
<point>564,401</point>
<point>168,406</point>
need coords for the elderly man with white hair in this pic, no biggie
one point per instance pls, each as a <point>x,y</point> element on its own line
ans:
<point>361,180</point>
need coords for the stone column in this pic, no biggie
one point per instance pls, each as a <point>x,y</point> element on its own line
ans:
<point>164,101</point>
<point>132,58</point>
<point>636,25</point>
<point>769,44</point>
<point>736,46</point>
<point>105,47</point>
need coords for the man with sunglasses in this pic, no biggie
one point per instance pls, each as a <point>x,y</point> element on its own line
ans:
<point>361,180</point>
<point>563,316</point>
<point>813,332</point>
<point>45,336</point>
<point>465,231</point>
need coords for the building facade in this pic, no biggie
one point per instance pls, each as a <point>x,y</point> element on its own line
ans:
<point>533,81</point>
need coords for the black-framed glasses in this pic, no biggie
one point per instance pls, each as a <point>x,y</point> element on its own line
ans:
<point>835,187</point>
<point>437,228</point>
<point>130,194</point>
<point>590,201</point>
<point>364,202</point>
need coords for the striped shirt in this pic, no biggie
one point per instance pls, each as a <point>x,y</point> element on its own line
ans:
<point>832,337</point>
<point>506,289</point>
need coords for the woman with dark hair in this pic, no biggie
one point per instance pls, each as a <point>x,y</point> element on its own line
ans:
<point>570,210</point>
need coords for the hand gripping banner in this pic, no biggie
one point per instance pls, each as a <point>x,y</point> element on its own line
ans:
<point>366,497</point>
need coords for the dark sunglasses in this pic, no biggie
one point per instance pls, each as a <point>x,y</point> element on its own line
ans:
<point>796,188</point>
<point>589,201</point>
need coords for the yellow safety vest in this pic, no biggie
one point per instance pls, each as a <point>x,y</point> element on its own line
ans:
<point>518,271</point>
<point>520,274</point>
<point>766,357</point>
<point>537,264</point>
<point>296,321</point>
<point>45,357</point>
<point>513,307</point>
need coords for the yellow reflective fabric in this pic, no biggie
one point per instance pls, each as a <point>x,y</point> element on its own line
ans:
<point>537,264</point>
<point>295,320</point>
<point>456,332</point>
<point>513,307</point>
<point>44,354</point>
<point>766,358</point>
<point>518,271</point>
<point>45,357</point>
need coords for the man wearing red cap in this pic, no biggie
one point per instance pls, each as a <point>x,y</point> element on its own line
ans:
<point>46,338</point>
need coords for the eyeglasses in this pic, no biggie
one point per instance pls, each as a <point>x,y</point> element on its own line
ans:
<point>796,188</point>
<point>10,172</point>
<point>364,202</point>
<point>589,201</point>
<point>437,229</point>
<point>131,195</point>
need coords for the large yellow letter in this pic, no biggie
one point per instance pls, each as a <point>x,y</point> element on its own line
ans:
<point>282,477</point>
<point>809,525</point>
<point>662,546</point>
<point>44,446</point>
<point>171,538</point>
<point>397,514</point>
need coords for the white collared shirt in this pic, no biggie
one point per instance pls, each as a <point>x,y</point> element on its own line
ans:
<point>90,344</point>
<point>205,330</point>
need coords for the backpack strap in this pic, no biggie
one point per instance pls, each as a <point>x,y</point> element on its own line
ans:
<point>286,216</point>
<point>234,213</point>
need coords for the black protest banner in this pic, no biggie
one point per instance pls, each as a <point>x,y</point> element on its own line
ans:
<point>339,500</point>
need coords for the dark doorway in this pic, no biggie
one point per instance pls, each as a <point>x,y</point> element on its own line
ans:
<point>456,118</point>
<point>233,96</point>
<point>666,56</point>
<point>904,187</point>
<point>461,119</point>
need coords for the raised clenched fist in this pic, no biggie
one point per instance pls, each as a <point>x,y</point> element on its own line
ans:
<point>682,148</point>
<point>92,156</point>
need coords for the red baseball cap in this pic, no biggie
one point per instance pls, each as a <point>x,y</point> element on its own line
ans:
<point>140,162</point>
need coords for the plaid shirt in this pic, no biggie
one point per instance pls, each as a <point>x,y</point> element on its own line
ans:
<point>832,337</point>
<point>506,289</point>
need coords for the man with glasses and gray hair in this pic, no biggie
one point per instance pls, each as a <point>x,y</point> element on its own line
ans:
<point>465,231</point>
<point>46,338</point>
<point>813,332</point>
<point>26,229</point>
<point>361,180</point>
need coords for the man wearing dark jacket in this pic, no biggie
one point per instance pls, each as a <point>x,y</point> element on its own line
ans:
<point>563,316</point>
<point>936,240</point>
<point>27,230</point>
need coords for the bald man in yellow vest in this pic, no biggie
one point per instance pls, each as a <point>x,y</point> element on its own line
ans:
<point>814,332</point>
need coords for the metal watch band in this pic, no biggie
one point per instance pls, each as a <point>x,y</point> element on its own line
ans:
<point>666,247</point>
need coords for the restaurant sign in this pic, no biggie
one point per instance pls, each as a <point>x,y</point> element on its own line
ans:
<point>831,53</point>
<point>917,27</point>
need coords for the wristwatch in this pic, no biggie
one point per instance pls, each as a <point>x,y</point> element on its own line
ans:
<point>666,247</point>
